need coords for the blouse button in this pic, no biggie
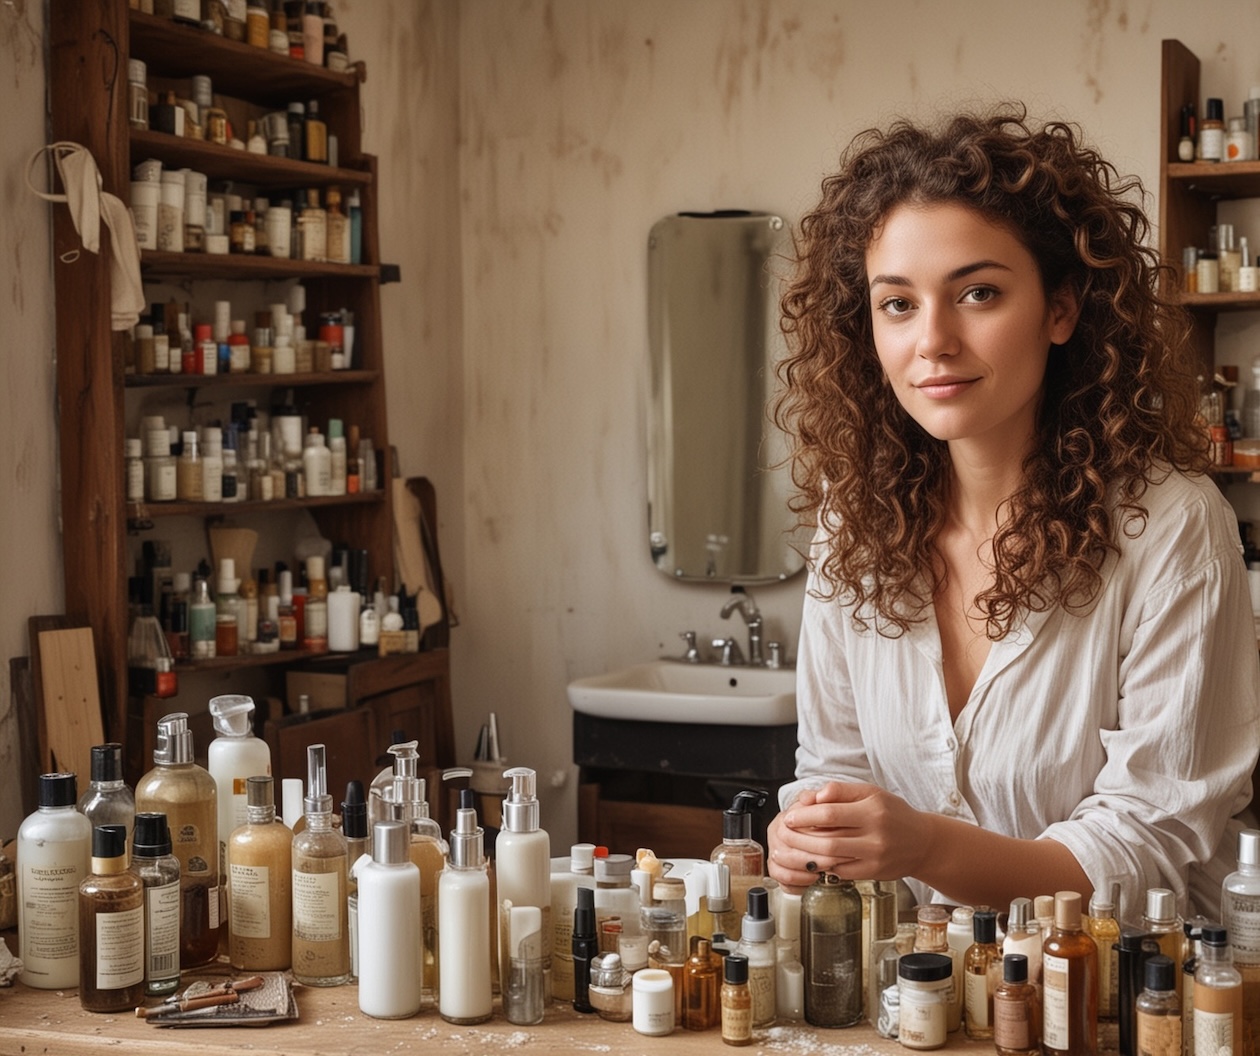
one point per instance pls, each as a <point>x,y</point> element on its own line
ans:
<point>950,743</point>
<point>954,799</point>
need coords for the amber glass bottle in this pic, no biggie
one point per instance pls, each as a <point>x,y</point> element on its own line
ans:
<point>111,927</point>
<point>1069,980</point>
<point>701,981</point>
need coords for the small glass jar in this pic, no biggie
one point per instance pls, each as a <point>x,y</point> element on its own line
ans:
<point>242,231</point>
<point>137,94</point>
<point>610,992</point>
<point>923,985</point>
<point>226,634</point>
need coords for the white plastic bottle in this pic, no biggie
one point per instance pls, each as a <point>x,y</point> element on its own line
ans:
<point>317,464</point>
<point>522,863</point>
<point>464,923</point>
<point>390,962</point>
<point>1240,913</point>
<point>54,850</point>
<point>234,756</point>
<point>567,875</point>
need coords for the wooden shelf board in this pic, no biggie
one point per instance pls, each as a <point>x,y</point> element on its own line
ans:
<point>208,381</point>
<point>140,512</point>
<point>228,163</point>
<point>241,266</point>
<point>1231,179</point>
<point>172,50</point>
<point>244,660</point>
<point>1220,302</point>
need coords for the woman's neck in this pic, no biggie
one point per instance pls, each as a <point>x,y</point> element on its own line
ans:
<point>980,482</point>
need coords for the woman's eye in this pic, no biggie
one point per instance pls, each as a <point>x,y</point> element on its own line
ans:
<point>894,306</point>
<point>980,294</point>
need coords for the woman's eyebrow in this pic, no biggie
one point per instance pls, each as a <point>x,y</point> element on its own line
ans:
<point>953,276</point>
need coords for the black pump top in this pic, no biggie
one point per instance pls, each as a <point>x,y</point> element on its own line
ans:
<point>1159,973</point>
<point>152,836</point>
<point>354,825</point>
<point>109,841</point>
<point>737,820</point>
<point>984,926</point>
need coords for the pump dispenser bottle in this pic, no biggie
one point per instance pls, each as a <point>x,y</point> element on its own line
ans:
<point>107,800</point>
<point>53,857</point>
<point>234,756</point>
<point>185,793</point>
<point>757,944</point>
<point>260,871</point>
<point>111,927</point>
<point>522,862</point>
<point>741,854</point>
<point>390,977</point>
<point>464,923</point>
<point>321,933</point>
<point>1240,913</point>
<point>158,870</point>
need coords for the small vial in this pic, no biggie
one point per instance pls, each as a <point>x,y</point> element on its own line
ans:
<point>1159,1011</point>
<point>1016,1021</point>
<point>736,1001</point>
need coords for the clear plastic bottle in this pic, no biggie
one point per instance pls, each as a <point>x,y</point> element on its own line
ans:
<point>186,794</point>
<point>107,800</point>
<point>321,930</point>
<point>158,869</point>
<point>53,857</point>
<point>831,952</point>
<point>739,852</point>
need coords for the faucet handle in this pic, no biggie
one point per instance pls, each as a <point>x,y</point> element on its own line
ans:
<point>775,659</point>
<point>692,655</point>
<point>729,652</point>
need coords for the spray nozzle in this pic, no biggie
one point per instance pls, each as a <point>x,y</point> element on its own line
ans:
<point>233,714</point>
<point>520,808</point>
<point>524,784</point>
<point>406,758</point>
<point>317,801</point>
<point>737,820</point>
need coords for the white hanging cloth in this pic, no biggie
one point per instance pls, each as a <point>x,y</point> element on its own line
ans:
<point>89,205</point>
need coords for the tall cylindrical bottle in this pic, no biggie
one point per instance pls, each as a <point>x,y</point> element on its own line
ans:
<point>522,864</point>
<point>1101,926</point>
<point>831,952</point>
<point>1240,913</point>
<point>740,853</point>
<point>390,964</point>
<point>260,884</point>
<point>1164,925</point>
<point>107,799</point>
<point>736,1001</point>
<point>321,930</point>
<point>521,978</point>
<point>158,869</point>
<point>464,924</point>
<point>54,848</point>
<point>1069,980</point>
<point>355,828</point>
<point>185,793</point>
<point>1218,999</point>
<point>757,944</point>
<point>234,756</point>
<point>111,927</point>
<point>982,974</point>
<point>702,981</point>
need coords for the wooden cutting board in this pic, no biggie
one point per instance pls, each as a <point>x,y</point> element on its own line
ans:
<point>69,699</point>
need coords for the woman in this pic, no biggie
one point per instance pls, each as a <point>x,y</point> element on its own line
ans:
<point>1027,658</point>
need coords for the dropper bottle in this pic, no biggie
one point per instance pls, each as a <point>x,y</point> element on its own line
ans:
<point>464,923</point>
<point>740,853</point>
<point>321,938</point>
<point>354,827</point>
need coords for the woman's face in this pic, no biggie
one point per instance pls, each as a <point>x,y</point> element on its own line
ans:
<point>962,325</point>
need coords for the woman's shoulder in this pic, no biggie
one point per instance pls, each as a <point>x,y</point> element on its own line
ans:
<point>1187,520</point>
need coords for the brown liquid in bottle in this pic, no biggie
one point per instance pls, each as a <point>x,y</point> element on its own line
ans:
<point>1069,980</point>
<point>111,927</point>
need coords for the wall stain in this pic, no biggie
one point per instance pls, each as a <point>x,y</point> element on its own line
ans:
<point>20,38</point>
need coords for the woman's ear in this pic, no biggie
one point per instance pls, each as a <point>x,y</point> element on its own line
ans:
<point>1065,310</point>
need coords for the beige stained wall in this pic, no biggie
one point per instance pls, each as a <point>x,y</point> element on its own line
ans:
<point>526,149</point>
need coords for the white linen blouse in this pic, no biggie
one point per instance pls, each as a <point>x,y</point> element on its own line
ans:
<point>1128,733</point>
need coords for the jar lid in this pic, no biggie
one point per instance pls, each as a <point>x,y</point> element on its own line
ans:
<point>1216,110</point>
<point>925,967</point>
<point>137,72</point>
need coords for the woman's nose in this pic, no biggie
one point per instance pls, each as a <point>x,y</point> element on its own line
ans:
<point>938,334</point>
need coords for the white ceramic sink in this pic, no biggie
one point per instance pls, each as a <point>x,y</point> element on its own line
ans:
<point>673,691</point>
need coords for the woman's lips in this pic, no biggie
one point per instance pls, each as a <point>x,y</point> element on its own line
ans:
<point>944,388</point>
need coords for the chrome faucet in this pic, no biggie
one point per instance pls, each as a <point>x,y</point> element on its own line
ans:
<point>743,601</point>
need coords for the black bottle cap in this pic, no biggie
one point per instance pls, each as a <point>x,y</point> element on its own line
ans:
<point>107,762</point>
<point>151,837</point>
<point>1015,968</point>
<point>1216,110</point>
<point>758,903</point>
<point>735,969</point>
<point>58,790</point>
<point>1132,941</point>
<point>984,926</point>
<point>109,841</point>
<point>354,824</point>
<point>467,799</point>
<point>1215,935</point>
<point>925,967</point>
<point>584,913</point>
<point>1159,973</point>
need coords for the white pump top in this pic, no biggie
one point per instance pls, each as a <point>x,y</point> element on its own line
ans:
<point>233,715</point>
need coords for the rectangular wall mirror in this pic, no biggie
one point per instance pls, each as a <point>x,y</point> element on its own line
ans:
<point>717,507</point>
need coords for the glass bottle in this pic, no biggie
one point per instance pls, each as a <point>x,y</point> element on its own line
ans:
<point>1016,1016</point>
<point>932,923</point>
<point>831,952</point>
<point>158,870</point>
<point>1192,947</point>
<point>702,1009</point>
<point>881,993</point>
<point>1133,951</point>
<point>107,799</point>
<point>358,834</point>
<point>982,972</point>
<point>1240,913</point>
<point>312,224</point>
<point>111,927</point>
<point>523,982</point>
<point>1069,983</point>
<point>260,883</point>
<point>315,622</point>
<point>924,981</point>
<point>150,665</point>
<point>1158,1012</point>
<point>1101,926</point>
<point>189,485</point>
<point>739,852</point>
<point>1163,924</point>
<point>756,942</point>
<point>227,628</point>
<point>202,620</point>
<point>1024,936</point>
<point>610,988</point>
<point>1218,998</point>
<point>338,228</point>
<point>321,933</point>
<point>315,135</point>
<point>736,1001</point>
<point>186,794</point>
<point>53,856</point>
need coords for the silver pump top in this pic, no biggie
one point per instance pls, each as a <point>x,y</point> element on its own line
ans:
<point>390,843</point>
<point>466,837</point>
<point>1249,847</point>
<point>1161,904</point>
<point>317,800</point>
<point>406,758</point>
<point>233,715</point>
<point>1021,913</point>
<point>1103,901</point>
<point>174,740</point>
<point>520,808</point>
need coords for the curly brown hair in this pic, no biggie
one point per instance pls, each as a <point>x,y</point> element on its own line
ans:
<point>1120,397</point>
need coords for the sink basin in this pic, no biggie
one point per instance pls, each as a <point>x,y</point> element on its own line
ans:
<point>673,691</point>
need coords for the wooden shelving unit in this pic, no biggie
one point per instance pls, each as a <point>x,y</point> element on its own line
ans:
<point>90,45</point>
